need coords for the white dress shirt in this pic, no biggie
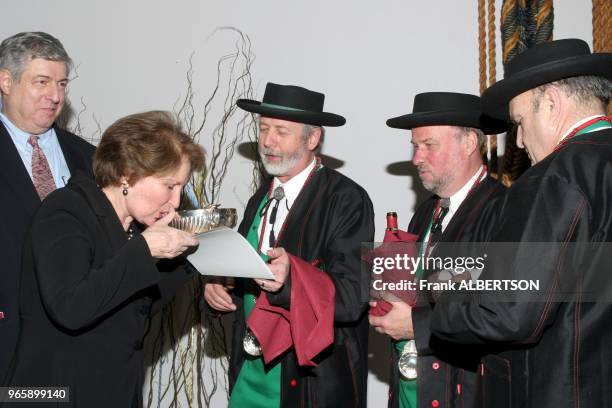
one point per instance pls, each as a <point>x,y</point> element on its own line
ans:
<point>292,189</point>
<point>48,144</point>
<point>457,198</point>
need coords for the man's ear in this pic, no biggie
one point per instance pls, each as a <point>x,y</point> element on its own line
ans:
<point>6,81</point>
<point>552,103</point>
<point>313,139</point>
<point>470,143</point>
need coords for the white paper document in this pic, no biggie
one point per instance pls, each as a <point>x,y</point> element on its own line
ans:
<point>224,252</point>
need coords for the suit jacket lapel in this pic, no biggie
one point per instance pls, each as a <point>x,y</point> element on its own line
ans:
<point>74,158</point>
<point>15,174</point>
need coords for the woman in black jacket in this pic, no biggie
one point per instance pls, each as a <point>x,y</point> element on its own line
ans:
<point>99,259</point>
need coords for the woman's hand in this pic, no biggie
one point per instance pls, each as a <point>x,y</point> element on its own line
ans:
<point>165,241</point>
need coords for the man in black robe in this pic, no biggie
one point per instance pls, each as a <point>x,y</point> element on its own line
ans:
<point>554,343</point>
<point>310,221</point>
<point>448,133</point>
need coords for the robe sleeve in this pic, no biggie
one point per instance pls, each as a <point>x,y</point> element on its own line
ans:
<point>538,225</point>
<point>352,218</point>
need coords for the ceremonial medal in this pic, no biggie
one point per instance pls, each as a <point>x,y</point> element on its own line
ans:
<point>407,363</point>
<point>251,344</point>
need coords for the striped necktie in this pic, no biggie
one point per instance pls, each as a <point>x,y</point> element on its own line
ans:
<point>41,172</point>
<point>436,228</point>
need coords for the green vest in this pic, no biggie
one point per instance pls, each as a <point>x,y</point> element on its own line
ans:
<point>257,386</point>
<point>407,389</point>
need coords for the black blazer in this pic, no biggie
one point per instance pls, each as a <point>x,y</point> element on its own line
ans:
<point>18,204</point>
<point>86,293</point>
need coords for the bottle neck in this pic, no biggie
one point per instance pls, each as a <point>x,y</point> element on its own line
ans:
<point>391,221</point>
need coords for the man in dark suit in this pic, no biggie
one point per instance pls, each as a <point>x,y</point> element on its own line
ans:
<point>35,156</point>
<point>553,343</point>
<point>448,133</point>
<point>310,221</point>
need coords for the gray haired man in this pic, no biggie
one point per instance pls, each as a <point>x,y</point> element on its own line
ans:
<point>35,156</point>
<point>552,347</point>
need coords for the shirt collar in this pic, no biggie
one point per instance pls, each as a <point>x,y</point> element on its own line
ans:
<point>21,137</point>
<point>457,198</point>
<point>293,187</point>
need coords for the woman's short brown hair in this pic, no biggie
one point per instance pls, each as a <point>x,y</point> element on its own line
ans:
<point>142,145</point>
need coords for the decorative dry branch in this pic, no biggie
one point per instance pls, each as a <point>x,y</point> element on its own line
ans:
<point>75,125</point>
<point>187,346</point>
<point>71,121</point>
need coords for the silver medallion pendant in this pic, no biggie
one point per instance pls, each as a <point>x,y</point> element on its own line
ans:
<point>407,363</point>
<point>251,344</point>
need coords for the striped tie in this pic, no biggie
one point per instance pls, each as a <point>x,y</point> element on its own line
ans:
<point>41,173</point>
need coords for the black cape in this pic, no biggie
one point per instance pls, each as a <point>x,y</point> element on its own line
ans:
<point>330,219</point>
<point>556,351</point>
<point>448,372</point>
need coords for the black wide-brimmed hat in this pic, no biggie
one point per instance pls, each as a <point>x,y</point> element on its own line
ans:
<point>292,103</point>
<point>448,108</point>
<point>541,64</point>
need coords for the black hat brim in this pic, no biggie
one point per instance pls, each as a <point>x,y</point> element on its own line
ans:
<point>496,98</point>
<point>308,117</point>
<point>472,119</point>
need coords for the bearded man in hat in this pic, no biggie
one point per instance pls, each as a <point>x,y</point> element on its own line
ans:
<point>554,347</point>
<point>448,133</point>
<point>309,221</point>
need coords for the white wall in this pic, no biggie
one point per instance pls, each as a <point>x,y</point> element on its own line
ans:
<point>370,58</point>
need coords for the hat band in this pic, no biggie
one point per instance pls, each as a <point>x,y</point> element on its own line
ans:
<point>271,105</point>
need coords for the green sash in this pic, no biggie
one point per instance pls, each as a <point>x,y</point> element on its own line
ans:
<point>256,387</point>
<point>595,126</point>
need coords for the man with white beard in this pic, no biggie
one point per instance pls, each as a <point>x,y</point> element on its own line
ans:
<point>306,340</point>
